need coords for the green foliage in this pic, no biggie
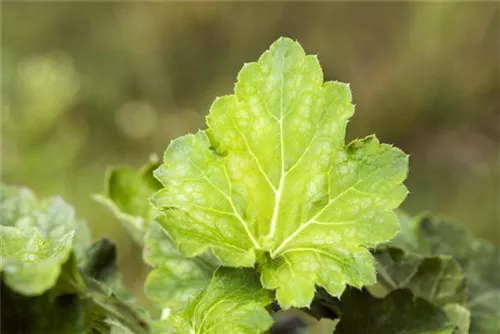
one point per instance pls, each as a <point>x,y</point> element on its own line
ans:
<point>239,188</point>
<point>427,236</point>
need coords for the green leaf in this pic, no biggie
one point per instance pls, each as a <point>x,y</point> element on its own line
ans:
<point>127,193</point>
<point>429,236</point>
<point>176,279</point>
<point>438,279</point>
<point>52,217</point>
<point>234,302</point>
<point>272,180</point>
<point>31,264</point>
<point>398,313</point>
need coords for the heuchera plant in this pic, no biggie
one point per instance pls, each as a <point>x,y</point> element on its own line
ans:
<point>267,209</point>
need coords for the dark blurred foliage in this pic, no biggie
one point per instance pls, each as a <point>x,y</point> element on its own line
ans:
<point>88,85</point>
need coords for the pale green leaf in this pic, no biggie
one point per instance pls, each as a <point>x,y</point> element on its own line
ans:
<point>480,261</point>
<point>31,264</point>
<point>234,302</point>
<point>398,313</point>
<point>53,218</point>
<point>272,180</point>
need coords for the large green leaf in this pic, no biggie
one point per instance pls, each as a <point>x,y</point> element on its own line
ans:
<point>52,217</point>
<point>31,264</point>
<point>234,302</point>
<point>429,236</point>
<point>398,313</point>
<point>273,181</point>
<point>175,278</point>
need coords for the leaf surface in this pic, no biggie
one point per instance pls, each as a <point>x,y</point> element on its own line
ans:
<point>273,181</point>
<point>234,302</point>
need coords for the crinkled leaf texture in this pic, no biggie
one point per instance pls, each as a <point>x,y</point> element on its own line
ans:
<point>29,263</point>
<point>175,278</point>
<point>53,218</point>
<point>428,236</point>
<point>234,302</point>
<point>438,279</point>
<point>398,313</point>
<point>273,181</point>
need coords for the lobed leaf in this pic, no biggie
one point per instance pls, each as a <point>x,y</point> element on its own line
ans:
<point>272,181</point>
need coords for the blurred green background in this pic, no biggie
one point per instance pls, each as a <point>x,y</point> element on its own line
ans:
<point>89,85</point>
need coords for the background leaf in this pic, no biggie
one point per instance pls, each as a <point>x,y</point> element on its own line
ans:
<point>398,313</point>
<point>29,263</point>
<point>52,217</point>
<point>428,236</point>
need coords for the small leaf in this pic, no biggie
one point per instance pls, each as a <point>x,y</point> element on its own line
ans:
<point>398,313</point>
<point>272,181</point>
<point>127,193</point>
<point>234,302</point>
<point>480,261</point>
<point>53,218</point>
<point>29,263</point>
